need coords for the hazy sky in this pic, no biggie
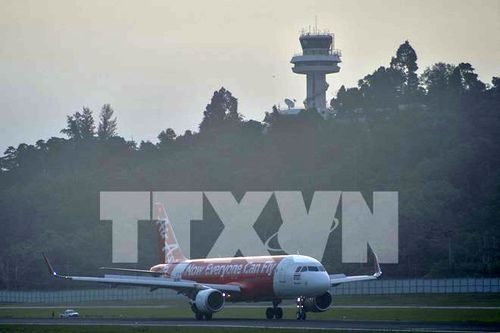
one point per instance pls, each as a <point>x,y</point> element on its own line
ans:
<point>158,62</point>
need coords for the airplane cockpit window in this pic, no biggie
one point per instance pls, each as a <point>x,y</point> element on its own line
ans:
<point>312,269</point>
<point>298,269</point>
<point>304,269</point>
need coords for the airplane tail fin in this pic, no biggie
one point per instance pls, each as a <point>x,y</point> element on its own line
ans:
<point>169,245</point>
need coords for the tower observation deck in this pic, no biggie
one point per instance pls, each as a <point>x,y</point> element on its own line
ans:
<point>317,59</point>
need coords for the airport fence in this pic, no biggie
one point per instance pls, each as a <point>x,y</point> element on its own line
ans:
<point>87,295</point>
<point>376,287</point>
<point>419,286</point>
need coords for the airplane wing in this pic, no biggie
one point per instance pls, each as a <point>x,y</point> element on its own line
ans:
<point>182,286</point>
<point>130,270</point>
<point>337,279</point>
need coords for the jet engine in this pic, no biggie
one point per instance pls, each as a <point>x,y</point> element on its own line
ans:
<point>319,303</point>
<point>209,300</point>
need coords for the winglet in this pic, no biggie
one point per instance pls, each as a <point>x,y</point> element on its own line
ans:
<point>51,269</point>
<point>49,266</point>
<point>376,266</point>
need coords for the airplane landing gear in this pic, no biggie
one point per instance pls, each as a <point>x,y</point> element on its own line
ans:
<point>301,312</point>
<point>269,313</point>
<point>275,311</point>
<point>200,315</point>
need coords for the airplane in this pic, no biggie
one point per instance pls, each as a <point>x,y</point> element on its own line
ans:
<point>209,283</point>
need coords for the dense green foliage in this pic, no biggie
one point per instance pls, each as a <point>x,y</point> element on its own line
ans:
<point>434,138</point>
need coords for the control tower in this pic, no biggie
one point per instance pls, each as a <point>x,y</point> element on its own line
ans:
<point>317,59</point>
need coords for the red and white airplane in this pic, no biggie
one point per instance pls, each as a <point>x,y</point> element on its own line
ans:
<point>209,283</point>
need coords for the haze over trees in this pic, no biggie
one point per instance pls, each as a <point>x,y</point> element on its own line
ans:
<point>433,137</point>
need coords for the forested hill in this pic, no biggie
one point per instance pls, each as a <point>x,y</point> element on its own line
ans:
<point>433,137</point>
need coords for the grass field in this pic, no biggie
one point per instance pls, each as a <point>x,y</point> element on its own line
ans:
<point>182,310</point>
<point>438,315</point>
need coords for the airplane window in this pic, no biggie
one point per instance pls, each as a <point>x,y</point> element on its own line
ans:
<point>304,269</point>
<point>298,269</point>
<point>312,268</point>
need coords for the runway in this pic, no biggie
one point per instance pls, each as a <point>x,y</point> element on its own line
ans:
<point>340,325</point>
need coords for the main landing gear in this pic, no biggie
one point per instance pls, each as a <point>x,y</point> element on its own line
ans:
<point>275,311</point>
<point>301,312</point>
<point>200,315</point>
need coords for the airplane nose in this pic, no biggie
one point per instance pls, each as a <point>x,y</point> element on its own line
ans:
<point>320,283</point>
<point>326,281</point>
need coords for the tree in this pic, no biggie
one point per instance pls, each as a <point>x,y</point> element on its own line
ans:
<point>435,79</point>
<point>463,79</point>
<point>186,139</point>
<point>381,89</point>
<point>147,147</point>
<point>87,126</point>
<point>347,101</point>
<point>8,161</point>
<point>107,124</point>
<point>222,110</point>
<point>80,126</point>
<point>405,61</point>
<point>496,82</point>
<point>167,136</point>
<point>271,117</point>
<point>72,129</point>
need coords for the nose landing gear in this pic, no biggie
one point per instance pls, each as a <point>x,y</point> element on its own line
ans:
<point>275,311</point>
<point>301,312</point>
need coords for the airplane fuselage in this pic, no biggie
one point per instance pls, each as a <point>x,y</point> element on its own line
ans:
<point>260,278</point>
